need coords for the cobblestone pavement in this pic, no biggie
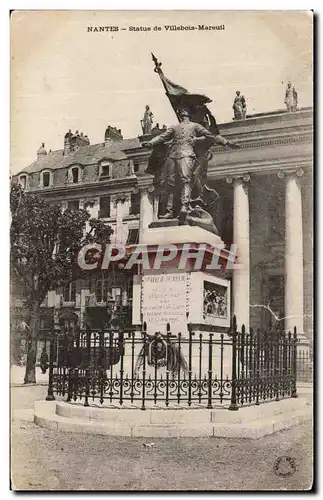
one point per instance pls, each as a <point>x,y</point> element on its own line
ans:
<point>42,459</point>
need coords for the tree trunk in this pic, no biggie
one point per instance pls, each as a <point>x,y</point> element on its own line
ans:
<point>30,375</point>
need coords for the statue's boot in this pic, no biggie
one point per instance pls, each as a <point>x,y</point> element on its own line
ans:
<point>185,201</point>
<point>169,208</point>
<point>167,215</point>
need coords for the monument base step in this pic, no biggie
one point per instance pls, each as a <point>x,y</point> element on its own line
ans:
<point>175,234</point>
<point>251,422</point>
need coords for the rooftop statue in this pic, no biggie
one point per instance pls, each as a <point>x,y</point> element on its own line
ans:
<point>291,98</point>
<point>147,121</point>
<point>239,106</point>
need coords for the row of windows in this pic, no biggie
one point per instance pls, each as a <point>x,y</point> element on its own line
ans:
<point>104,291</point>
<point>105,205</point>
<point>74,176</point>
<point>46,178</point>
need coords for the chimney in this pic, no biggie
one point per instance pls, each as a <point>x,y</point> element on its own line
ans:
<point>112,134</point>
<point>67,137</point>
<point>41,153</point>
<point>74,141</point>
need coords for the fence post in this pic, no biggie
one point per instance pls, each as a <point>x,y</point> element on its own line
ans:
<point>258,353</point>
<point>278,379</point>
<point>121,350</point>
<point>209,399</point>
<point>189,327</point>
<point>233,406</point>
<point>102,364</point>
<point>88,370</point>
<point>294,390</point>
<point>167,364</point>
<point>50,394</point>
<point>144,331</point>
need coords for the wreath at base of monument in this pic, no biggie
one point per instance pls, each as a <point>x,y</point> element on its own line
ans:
<point>160,351</point>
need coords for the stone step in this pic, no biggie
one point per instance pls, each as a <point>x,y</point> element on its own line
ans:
<point>142,425</point>
<point>175,414</point>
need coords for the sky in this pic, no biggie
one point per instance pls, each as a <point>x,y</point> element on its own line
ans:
<point>64,77</point>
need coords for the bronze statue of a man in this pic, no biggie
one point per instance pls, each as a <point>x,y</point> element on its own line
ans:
<point>184,137</point>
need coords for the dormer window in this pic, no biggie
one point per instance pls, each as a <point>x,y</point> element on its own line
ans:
<point>105,171</point>
<point>46,179</point>
<point>23,181</point>
<point>74,175</point>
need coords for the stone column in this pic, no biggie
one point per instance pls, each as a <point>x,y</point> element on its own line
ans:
<point>156,206</point>
<point>119,231</point>
<point>294,308</point>
<point>241,275</point>
<point>307,202</point>
<point>146,208</point>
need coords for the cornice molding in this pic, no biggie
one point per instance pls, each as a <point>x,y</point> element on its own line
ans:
<point>145,182</point>
<point>275,141</point>
<point>260,168</point>
<point>90,189</point>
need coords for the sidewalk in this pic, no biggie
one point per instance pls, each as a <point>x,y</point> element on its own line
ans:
<point>17,374</point>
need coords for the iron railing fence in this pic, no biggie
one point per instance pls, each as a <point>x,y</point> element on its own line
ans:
<point>304,365</point>
<point>204,369</point>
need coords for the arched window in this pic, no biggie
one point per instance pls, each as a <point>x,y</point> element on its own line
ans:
<point>46,179</point>
<point>74,175</point>
<point>23,181</point>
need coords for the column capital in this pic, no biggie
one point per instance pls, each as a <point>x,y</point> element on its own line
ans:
<point>298,172</point>
<point>244,177</point>
<point>90,201</point>
<point>144,189</point>
<point>120,198</point>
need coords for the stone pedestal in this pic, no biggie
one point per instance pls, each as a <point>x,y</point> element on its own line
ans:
<point>188,296</point>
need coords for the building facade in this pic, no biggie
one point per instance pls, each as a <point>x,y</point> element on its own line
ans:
<point>265,208</point>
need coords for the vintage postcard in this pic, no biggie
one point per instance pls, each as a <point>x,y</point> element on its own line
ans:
<point>161,192</point>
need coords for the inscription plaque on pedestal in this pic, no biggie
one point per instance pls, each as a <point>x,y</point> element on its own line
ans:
<point>164,300</point>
